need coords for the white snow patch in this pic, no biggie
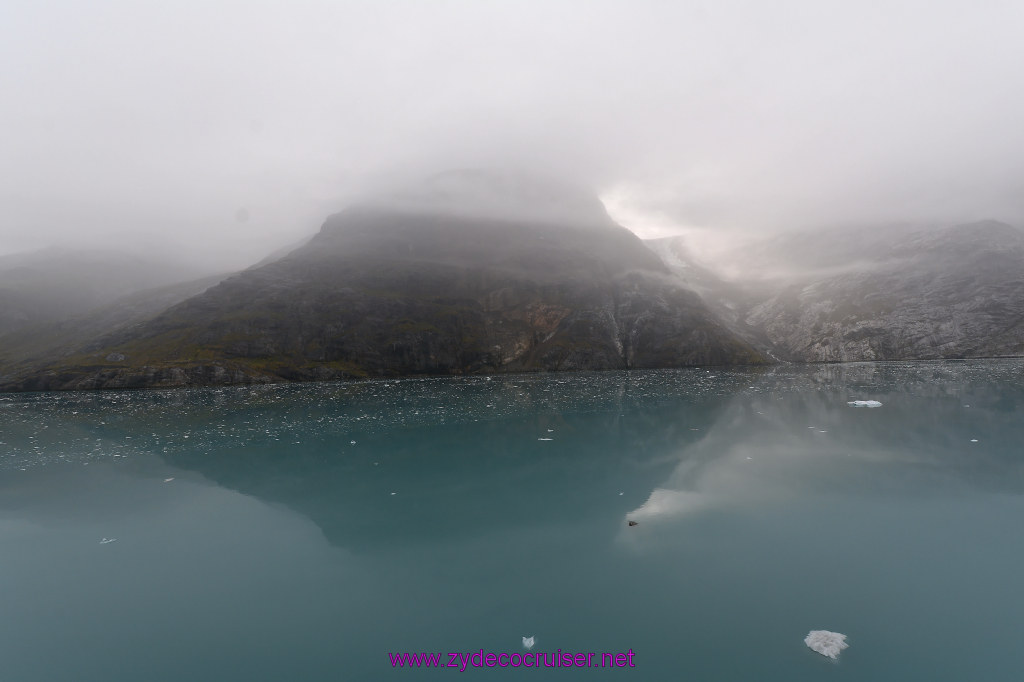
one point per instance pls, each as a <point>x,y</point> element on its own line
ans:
<point>865,403</point>
<point>826,643</point>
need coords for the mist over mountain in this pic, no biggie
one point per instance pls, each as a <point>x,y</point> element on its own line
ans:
<point>86,329</point>
<point>899,294</point>
<point>407,286</point>
<point>482,271</point>
<point>496,194</point>
<point>55,284</point>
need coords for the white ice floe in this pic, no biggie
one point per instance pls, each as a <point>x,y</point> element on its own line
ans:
<point>543,439</point>
<point>528,642</point>
<point>865,403</point>
<point>106,541</point>
<point>168,480</point>
<point>826,643</point>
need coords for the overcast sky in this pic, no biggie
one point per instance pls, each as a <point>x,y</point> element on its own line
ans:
<point>233,128</point>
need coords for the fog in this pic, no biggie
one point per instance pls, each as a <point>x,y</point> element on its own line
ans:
<point>224,130</point>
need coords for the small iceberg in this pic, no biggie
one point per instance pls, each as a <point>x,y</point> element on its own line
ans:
<point>865,403</point>
<point>107,541</point>
<point>544,439</point>
<point>826,643</point>
<point>528,642</point>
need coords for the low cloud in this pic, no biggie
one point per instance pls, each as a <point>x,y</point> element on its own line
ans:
<point>132,124</point>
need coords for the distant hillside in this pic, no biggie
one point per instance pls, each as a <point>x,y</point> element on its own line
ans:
<point>898,294</point>
<point>57,284</point>
<point>46,342</point>
<point>387,290</point>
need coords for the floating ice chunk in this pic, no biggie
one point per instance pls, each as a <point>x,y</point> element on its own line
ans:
<point>168,480</point>
<point>544,439</point>
<point>107,541</point>
<point>826,643</point>
<point>528,642</point>
<point>974,440</point>
<point>865,403</point>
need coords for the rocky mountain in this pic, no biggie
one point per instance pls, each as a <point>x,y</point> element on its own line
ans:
<point>897,294</point>
<point>428,282</point>
<point>729,299</point>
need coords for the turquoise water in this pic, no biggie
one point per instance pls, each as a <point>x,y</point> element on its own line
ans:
<point>309,530</point>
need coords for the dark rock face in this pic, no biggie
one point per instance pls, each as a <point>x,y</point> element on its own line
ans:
<point>383,292</point>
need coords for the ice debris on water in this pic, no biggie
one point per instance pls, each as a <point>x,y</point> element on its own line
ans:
<point>107,541</point>
<point>168,480</point>
<point>826,643</point>
<point>974,440</point>
<point>864,403</point>
<point>528,642</point>
<point>543,439</point>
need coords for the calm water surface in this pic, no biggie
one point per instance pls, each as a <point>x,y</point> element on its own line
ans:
<point>304,532</point>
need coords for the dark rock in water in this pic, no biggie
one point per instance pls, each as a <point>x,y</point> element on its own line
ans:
<point>382,291</point>
<point>633,523</point>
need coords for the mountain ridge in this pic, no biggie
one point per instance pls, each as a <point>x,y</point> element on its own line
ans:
<point>379,292</point>
<point>952,292</point>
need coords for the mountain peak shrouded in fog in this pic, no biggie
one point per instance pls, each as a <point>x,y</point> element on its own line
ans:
<point>462,280</point>
<point>490,194</point>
